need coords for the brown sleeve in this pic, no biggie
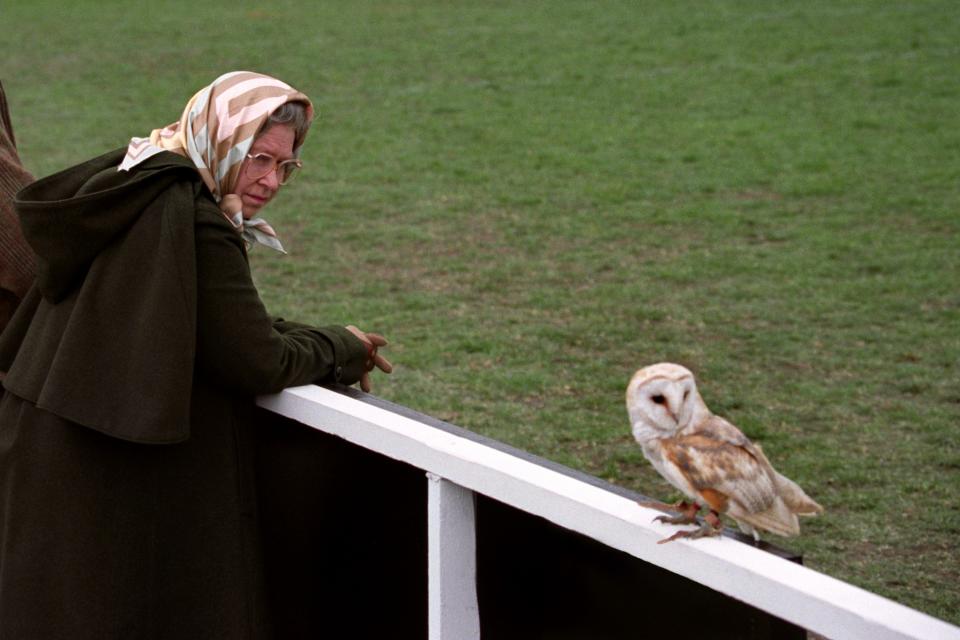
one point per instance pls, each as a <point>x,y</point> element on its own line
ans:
<point>17,262</point>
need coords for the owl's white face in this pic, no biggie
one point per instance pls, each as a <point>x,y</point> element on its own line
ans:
<point>662,399</point>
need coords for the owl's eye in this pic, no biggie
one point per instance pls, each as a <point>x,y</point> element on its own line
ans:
<point>686,394</point>
<point>658,399</point>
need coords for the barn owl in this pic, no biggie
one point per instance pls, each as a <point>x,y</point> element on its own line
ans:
<point>709,459</point>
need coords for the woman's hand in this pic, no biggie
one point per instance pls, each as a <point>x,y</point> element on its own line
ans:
<point>373,341</point>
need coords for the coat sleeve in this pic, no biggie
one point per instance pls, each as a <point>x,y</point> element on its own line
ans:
<point>239,346</point>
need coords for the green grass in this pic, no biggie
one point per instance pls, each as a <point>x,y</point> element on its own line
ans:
<point>533,200</point>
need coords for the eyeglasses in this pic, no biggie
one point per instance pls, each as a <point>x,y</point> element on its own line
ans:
<point>263,163</point>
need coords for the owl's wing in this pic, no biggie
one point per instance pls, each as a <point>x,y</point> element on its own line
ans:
<point>723,467</point>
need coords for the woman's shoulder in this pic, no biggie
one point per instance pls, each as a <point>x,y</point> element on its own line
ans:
<point>208,213</point>
<point>211,227</point>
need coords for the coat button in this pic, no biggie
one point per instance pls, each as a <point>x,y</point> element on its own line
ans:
<point>339,373</point>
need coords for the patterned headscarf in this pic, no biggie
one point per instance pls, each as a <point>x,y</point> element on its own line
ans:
<point>216,132</point>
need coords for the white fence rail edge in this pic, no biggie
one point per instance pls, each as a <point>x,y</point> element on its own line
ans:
<point>809,599</point>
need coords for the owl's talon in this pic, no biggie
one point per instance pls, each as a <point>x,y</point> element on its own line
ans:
<point>706,530</point>
<point>659,506</point>
<point>678,534</point>
<point>688,512</point>
<point>683,518</point>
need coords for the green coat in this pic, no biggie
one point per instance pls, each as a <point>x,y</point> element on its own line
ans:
<point>127,503</point>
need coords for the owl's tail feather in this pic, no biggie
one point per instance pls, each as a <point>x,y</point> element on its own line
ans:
<point>795,498</point>
<point>778,519</point>
<point>781,517</point>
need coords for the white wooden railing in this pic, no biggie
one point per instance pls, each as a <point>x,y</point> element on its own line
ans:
<point>456,466</point>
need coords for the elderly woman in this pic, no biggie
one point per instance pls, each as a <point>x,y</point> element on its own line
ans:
<point>127,504</point>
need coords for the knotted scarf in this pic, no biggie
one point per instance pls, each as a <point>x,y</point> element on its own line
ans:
<point>216,131</point>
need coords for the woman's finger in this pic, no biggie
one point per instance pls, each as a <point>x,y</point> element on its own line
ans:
<point>382,363</point>
<point>377,339</point>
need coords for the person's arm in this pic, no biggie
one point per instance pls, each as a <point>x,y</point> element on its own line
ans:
<point>238,346</point>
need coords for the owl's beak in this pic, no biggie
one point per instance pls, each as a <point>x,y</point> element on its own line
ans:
<point>669,405</point>
<point>670,412</point>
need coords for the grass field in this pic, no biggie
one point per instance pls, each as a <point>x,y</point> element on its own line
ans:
<point>532,200</point>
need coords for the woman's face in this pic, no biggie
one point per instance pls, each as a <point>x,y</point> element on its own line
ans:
<point>277,141</point>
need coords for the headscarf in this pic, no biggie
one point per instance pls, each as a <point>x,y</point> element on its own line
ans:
<point>216,132</point>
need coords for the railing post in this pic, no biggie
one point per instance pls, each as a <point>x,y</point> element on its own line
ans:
<point>452,557</point>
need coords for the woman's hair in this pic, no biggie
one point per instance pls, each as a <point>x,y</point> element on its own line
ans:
<point>293,114</point>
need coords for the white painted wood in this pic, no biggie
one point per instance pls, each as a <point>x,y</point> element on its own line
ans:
<point>789,591</point>
<point>452,557</point>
